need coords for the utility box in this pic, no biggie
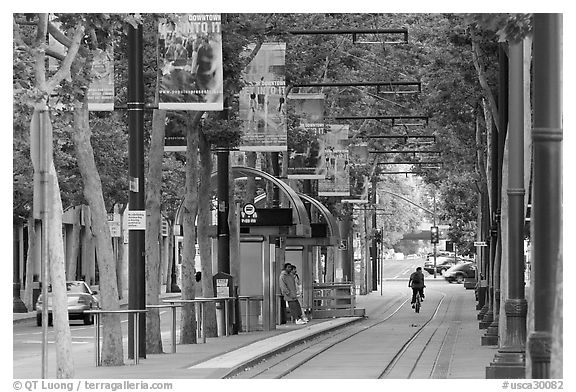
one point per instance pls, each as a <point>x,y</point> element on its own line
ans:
<point>223,285</point>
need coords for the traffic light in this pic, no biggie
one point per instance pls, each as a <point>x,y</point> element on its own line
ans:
<point>434,234</point>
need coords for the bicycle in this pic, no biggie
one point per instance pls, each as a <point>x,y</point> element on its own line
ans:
<point>417,304</point>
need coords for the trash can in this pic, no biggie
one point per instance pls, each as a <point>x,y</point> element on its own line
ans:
<point>17,303</point>
<point>36,291</point>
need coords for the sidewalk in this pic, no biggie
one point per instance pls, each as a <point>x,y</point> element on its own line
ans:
<point>220,356</point>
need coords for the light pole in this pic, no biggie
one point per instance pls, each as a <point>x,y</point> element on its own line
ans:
<point>223,209</point>
<point>510,360</point>
<point>136,241</point>
<point>547,194</point>
<point>374,250</point>
<point>435,242</point>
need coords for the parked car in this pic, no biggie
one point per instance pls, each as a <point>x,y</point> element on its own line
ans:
<point>460,272</point>
<point>80,298</point>
<point>442,264</point>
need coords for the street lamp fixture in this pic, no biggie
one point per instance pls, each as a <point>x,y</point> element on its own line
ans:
<point>359,36</point>
<point>405,152</point>
<point>397,120</point>
<point>382,87</point>
<point>411,163</point>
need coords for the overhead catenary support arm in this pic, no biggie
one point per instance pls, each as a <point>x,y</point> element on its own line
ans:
<point>354,32</point>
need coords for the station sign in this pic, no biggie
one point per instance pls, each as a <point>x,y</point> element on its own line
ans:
<point>248,214</point>
<point>252,216</point>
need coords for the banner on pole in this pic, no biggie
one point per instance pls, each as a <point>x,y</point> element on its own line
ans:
<point>190,60</point>
<point>333,161</point>
<point>175,134</point>
<point>303,142</point>
<point>101,90</point>
<point>262,104</point>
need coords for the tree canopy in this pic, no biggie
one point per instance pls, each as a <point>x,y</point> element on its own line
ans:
<point>438,53</point>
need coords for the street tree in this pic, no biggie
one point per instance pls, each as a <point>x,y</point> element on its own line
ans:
<point>30,43</point>
<point>98,29</point>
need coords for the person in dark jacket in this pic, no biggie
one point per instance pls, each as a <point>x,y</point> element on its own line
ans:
<point>417,283</point>
<point>290,294</point>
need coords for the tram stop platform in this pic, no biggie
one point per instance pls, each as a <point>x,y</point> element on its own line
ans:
<point>220,357</point>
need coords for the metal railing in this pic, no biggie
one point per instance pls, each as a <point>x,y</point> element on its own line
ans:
<point>333,300</point>
<point>135,313</point>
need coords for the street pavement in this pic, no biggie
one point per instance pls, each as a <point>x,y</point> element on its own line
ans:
<point>221,355</point>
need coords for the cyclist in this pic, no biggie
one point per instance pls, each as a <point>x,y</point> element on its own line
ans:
<point>417,283</point>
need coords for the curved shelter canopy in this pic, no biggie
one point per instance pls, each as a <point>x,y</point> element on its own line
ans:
<point>299,213</point>
<point>334,231</point>
<point>332,224</point>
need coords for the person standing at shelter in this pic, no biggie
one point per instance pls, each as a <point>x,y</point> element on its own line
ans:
<point>299,291</point>
<point>289,292</point>
<point>417,283</point>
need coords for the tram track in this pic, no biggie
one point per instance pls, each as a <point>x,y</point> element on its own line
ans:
<point>283,364</point>
<point>391,365</point>
<point>299,355</point>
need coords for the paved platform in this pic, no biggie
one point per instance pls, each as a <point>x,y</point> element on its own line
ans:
<point>219,356</point>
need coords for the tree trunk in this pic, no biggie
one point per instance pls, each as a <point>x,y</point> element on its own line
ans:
<point>250,181</point>
<point>56,263</point>
<point>188,321</point>
<point>153,224</point>
<point>234,228</point>
<point>112,349</point>
<point>204,242</point>
<point>63,338</point>
<point>72,257</point>
<point>477,60</point>
<point>234,246</point>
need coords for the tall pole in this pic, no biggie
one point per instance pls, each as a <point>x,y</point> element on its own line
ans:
<point>490,319</point>
<point>276,173</point>
<point>223,208</point>
<point>435,244</point>
<point>547,189</point>
<point>45,152</point>
<point>374,251</point>
<point>136,238</point>
<point>381,260</point>
<point>509,362</point>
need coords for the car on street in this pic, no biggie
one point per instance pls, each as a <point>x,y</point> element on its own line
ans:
<point>442,264</point>
<point>460,272</point>
<point>80,298</point>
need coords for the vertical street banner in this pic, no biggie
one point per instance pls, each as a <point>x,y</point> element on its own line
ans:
<point>190,61</point>
<point>175,134</point>
<point>333,161</point>
<point>262,103</point>
<point>358,157</point>
<point>303,141</point>
<point>239,158</point>
<point>101,89</point>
